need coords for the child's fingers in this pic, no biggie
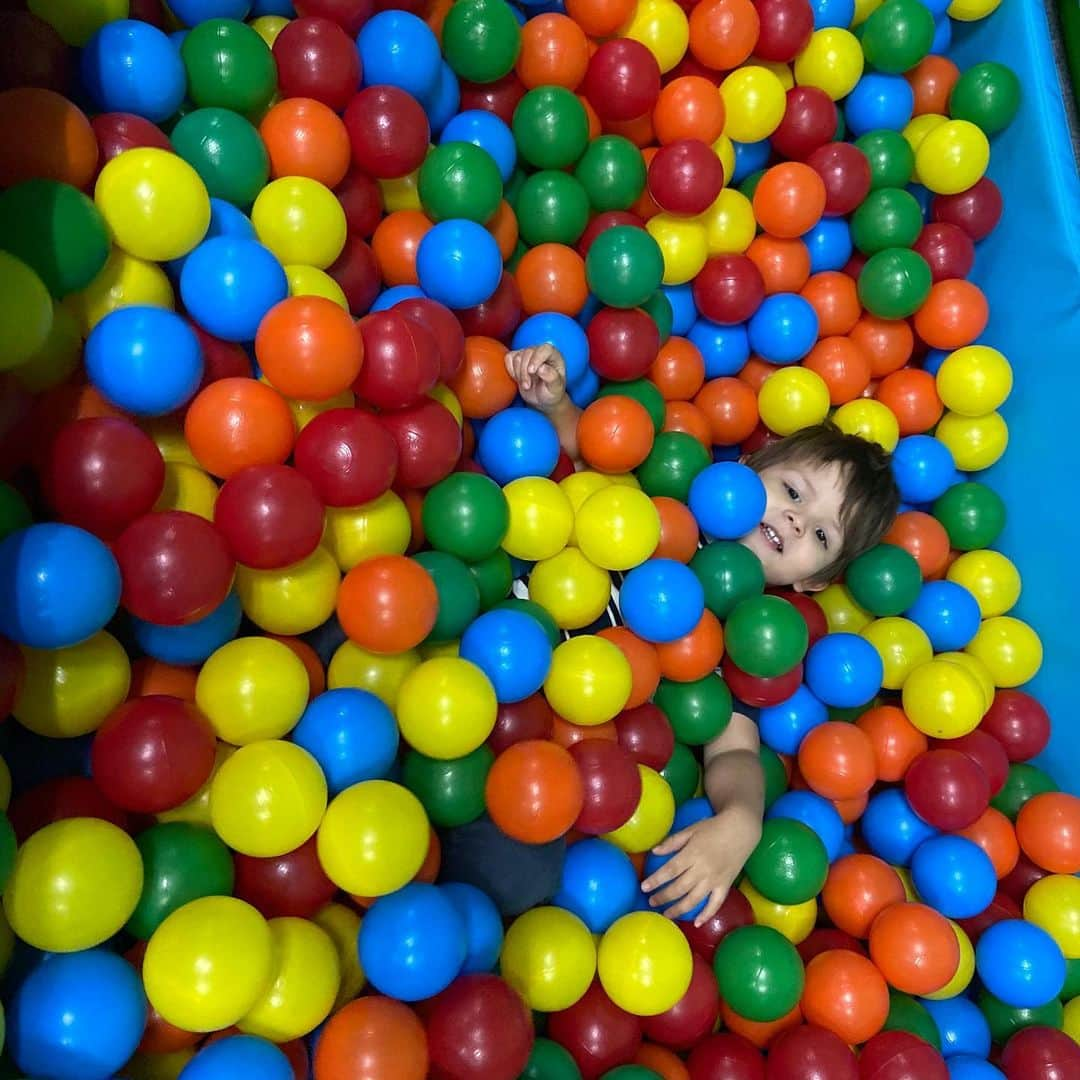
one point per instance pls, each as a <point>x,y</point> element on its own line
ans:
<point>677,889</point>
<point>548,374</point>
<point>673,843</point>
<point>690,901</point>
<point>716,899</point>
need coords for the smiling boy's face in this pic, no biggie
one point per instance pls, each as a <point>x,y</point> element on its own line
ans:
<point>800,533</point>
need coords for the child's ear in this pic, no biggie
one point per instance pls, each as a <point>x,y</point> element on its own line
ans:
<point>809,586</point>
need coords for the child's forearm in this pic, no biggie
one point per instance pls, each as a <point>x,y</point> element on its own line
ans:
<point>565,416</point>
<point>733,775</point>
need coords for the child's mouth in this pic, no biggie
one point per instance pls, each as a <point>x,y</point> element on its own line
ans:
<point>772,537</point>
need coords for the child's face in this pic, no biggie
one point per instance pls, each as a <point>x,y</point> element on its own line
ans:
<point>800,533</point>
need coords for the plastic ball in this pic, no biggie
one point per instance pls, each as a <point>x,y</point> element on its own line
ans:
<point>952,157</point>
<point>481,40</point>
<point>573,590</point>
<point>534,791</point>
<point>617,528</point>
<point>644,963</point>
<point>953,875</point>
<point>759,972</point>
<point>1047,830</point>
<point>388,130</point>
<point>833,62</point>
<point>458,263</point>
<point>754,102</point>
<point>897,36</point>
<point>446,707</point>
<point>300,221</point>
<point>239,1053</point>
<point>598,884</point>
<point>229,66</point>
<point>373,1031</point>
<point>661,600</point>
<point>512,649</point>
<point>517,442</point>
<point>727,499</point>
<point>316,59</point>
<point>226,151</point>
<point>1020,964</point>
<point>843,670</point>
<point>548,957</point>
<point>1009,648</point>
<point>792,399</point>
<point>624,267</point>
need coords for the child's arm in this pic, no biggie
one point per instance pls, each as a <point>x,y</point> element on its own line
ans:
<point>540,373</point>
<point>712,852</point>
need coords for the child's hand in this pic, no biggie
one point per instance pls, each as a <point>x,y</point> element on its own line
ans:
<point>540,373</point>
<point>710,855</point>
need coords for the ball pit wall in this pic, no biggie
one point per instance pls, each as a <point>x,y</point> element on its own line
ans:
<point>1029,268</point>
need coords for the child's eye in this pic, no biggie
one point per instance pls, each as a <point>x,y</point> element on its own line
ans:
<point>793,495</point>
<point>822,538</point>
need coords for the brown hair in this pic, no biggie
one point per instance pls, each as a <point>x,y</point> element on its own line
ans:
<point>871,499</point>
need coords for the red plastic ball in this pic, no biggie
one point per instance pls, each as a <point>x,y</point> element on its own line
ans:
<point>786,26</point>
<point>348,456</point>
<point>601,223</point>
<point>685,176</point>
<point>499,97</point>
<point>808,1052</point>
<point>692,1017</point>
<point>1041,1053</point>
<point>598,1034</point>
<point>845,172</point>
<point>498,316</point>
<point>350,15</point>
<point>726,1057</point>
<point>729,289</point>
<point>356,270</point>
<point>1019,723</point>
<point>517,721</point>
<point>622,81</point>
<point>116,132</point>
<point>761,692</point>
<point>646,732</point>
<point>977,210</point>
<point>809,122</point>
<point>825,939</point>
<point>12,673</point>
<point>221,359</point>
<point>899,1055</point>
<point>291,885</point>
<point>816,623</point>
<point>1002,907</point>
<point>361,200</point>
<point>317,59</point>
<point>401,361</point>
<point>444,327</point>
<point>623,343</point>
<point>734,912</point>
<point>611,784</point>
<point>948,250</point>
<point>428,441</point>
<point>947,789</point>
<point>60,799</point>
<point>388,130</point>
<point>986,752</point>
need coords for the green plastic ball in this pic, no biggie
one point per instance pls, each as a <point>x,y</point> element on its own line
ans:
<point>698,711</point>
<point>886,218</point>
<point>765,636</point>
<point>760,973</point>
<point>973,515</point>
<point>550,127</point>
<point>776,778</point>
<point>631,1072</point>
<point>8,844</point>
<point>552,208</point>
<point>894,283</point>
<point>1005,1020</point>
<point>987,94</point>
<point>493,576</point>
<point>14,513</point>
<point>460,180</point>
<point>550,1061</point>
<point>459,595</point>
<point>658,308</point>
<point>481,39</point>
<point>57,231</point>
<point>1023,782</point>
<point>624,266</point>
<point>908,1014</point>
<point>789,864</point>
<point>673,462</point>
<point>1071,988</point>
<point>452,792</point>
<point>682,773</point>
<point>898,35</point>
<point>645,393</point>
<point>750,183</point>
<point>229,66</point>
<point>612,172</point>
<point>226,151</point>
<point>465,515</point>
<point>729,573</point>
<point>892,161</point>
<point>535,611</point>
<point>885,580</point>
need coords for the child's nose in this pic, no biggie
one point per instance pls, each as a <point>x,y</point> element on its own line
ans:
<point>794,521</point>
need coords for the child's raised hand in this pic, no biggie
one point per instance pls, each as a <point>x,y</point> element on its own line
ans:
<point>540,373</point>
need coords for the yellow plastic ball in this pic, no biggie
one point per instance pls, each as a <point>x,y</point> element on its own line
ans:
<point>842,613</point>
<point>294,599</point>
<point>1070,1022</point>
<point>74,884</point>
<point>549,958</point>
<point>902,646</point>
<point>167,1066</point>
<point>724,149</point>
<point>208,963</point>
<point>69,692</point>
<point>269,26</point>
<point>972,10</point>
<point>683,243</point>
<point>401,193</point>
<point>794,921</point>
<point>356,533</point>
<point>832,61</point>
<point>663,28</point>
<point>26,312</point>
<point>916,130</point>
<point>589,680</point>
<point>1053,903</point>
<point>58,357</point>
<point>123,281</point>
<point>652,817</point>
<point>572,590</point>
<point>300,221</point>
<point>1010,649</point>
<point>577,487</point>
<point>644,963</point>
<point>781,70</point>
<point>793,398</point>
<point>76,21</point>
<point>433,650</point>
<point>990,577</point>
<point>952,157</point>
<point>869,420</point>
<point>976,442</point>
<point>303,412</point>
<point>976,669</point>
<point>617,527</point>
<point>729,223</point>
<point>540,518</point>
<point>168,435</point>
<point>154,202</point>
<point>942,700</point>
<point>904,874</point>
<point>252,688</point>
<point>974,380</point>
<point>373,838</point>
<point>625,480</point>
<point>754,103</point>
<point>304,980</point>
<point>311,281</point>
<point>187,488</point>
<point>268,798</point>
<point>342,924</point>
<point>378,673</point>
<point>196,811</point>
<point>965,969</point>
<point>446,708</point>
<point>863,10</point>
<point>448,400</point>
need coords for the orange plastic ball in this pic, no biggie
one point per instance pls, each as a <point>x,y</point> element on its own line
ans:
<point>689,419</point>
<point>150,677</point>
<point>784,263</point>
<point>730,405</point>
<point>932,80</point>
<point>45,136</point>
<point>644,664</point>
<point>566,734</point>
<point>837,760</point>
<point>678,370</point>
<point>912,396</point>
<point>596,128</point>
<point>503,225</point>
<point>954,314</point>
<point>534,791</point>
<point>679,532</point>
<point>236,422</point>
<point>895,740</point>
<point>789,200</point>
<point>887,342</point>
<point>554,52</point>
<point>640,132</point>
<point>695,654</point>
<point>755,371</point>
<point>482,384</point>
<point>850,810</point>
<point>615,434</point>
<point>395,243</point>
<point>842,365</point>
<point>304,137</point>
<point>689,107</point>
<point>723,33</point>
<point>551,277</point>
<point>387,604</point>
<point>310,659</point>
<point>857,890</point>
<point>664,1062</point>
<point>846,994</point>
<point>915,948</point>
<point>924,538</point>
<point>1048,828</point>
<point>372,1036</point>
<point>759,1032</point>
<point>994,833</point>
<point>600,18</point>
<point>835,298</point>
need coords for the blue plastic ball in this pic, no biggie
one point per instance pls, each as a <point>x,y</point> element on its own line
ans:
<point>412,942</point>
<point>749,157</point>
<point>690,813</point>
<point>1020,963</point>
<point>948,614</point>
<point>879,101</point>
<point>395,294</point>
<point>784,726</point>
<point>77,1016</point>
<point>194,642</point>
<point>684,312</point>
<point>517,442</point>
<point>238,1055</point>
<point>943,34</point>
<point>444,101</point>
<point>891,829</point>
<point>583,392</point>
<point>844,670</point>
<point>838,13</point>
<point>284,8</point>
<point>511,648</point>
<point>661,600</point>
<point>225,220</point>
<point>783,329</point>
<point>458,263</point>
<point>130,66</point>
<point>351,734</point>
<point>489,132</point>
<point>588,310</point>
<point>566,334</point>
<point>965,1067</point>
<point>829,244</point>
<point>228,284</point>
<point>923,468</point>
<point>599,883</point>
<point>816,813</point>
<point>725,349</point>
<point>483,925</point>
<point>954,876</point>
<point>961,1025</point>
<point>399,49</point>
<point>59,585</point>
<point>728,500</point>
<point>923,196</point>
<point>934,359</point>
<point>193,12</point>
